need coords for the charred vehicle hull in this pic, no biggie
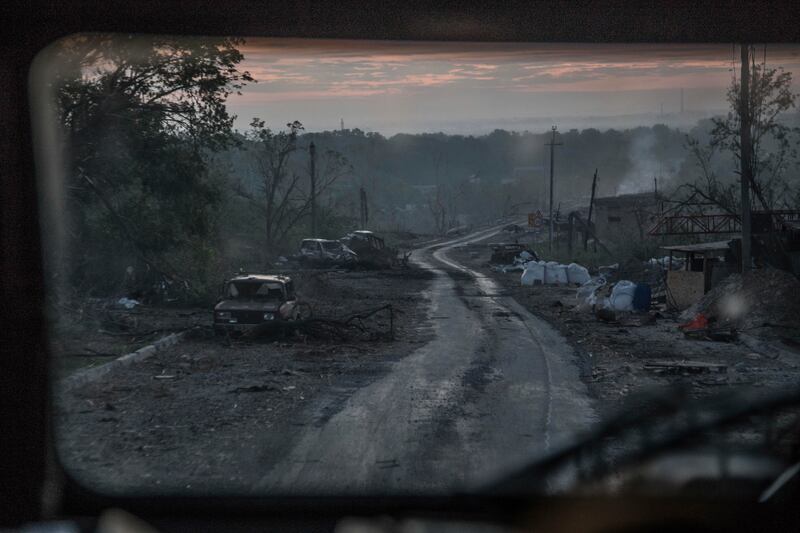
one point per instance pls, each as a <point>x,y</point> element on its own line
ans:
<point>255,300</point>
<point>326,253</point>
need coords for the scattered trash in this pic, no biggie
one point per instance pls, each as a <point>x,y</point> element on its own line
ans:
<point>699,322</point>
<point>128,303</point>
<point>621,298</point>
<point>553,273</point>
<point>684,367</point>
<point>577,274</point>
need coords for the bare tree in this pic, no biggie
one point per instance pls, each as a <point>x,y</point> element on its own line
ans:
<point>286,199</point>
<point>770,96</point>
<point>708,187</point>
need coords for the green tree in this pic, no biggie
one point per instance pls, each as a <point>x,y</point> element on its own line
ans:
<point>140,116</point>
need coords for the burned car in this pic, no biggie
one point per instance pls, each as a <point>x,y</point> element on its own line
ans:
<point>323,252</point>
<point>371,250</point>
<point>503,253</point>
<point>250,300</point>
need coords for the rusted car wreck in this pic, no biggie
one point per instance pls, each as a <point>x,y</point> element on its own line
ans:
<point>250,300</point>
<point>325,252</point>
<point>371,249</point>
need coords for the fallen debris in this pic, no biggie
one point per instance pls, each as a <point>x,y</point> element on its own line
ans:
<point>685,367</point>
<point>758,301</point>
<point>511,253</point>
<point>347,328</point>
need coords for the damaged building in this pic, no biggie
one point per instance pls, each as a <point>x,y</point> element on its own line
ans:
<point>620,218</point>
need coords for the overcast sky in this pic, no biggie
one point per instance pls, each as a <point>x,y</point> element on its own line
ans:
<point>393,87</point>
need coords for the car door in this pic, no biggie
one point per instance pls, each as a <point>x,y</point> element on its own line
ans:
<point>289,306</point>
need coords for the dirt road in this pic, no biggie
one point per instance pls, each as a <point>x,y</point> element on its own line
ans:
<point>473,386</point>
<point>495,388</point>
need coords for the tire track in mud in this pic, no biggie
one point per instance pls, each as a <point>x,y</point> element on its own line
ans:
<point>476,402</point>
<point>490,289</point>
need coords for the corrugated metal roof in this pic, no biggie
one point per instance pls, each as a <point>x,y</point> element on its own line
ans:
<point>699,247</point>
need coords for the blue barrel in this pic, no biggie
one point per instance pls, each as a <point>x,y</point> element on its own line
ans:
<point>641,297</point>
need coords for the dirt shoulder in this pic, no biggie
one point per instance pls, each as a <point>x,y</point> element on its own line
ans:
<point>215,412</point>
<point>620,360</point>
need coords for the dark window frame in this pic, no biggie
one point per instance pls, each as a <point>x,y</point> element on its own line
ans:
<point>28,464</point>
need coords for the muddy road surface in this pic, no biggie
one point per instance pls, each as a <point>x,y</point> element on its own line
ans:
<point>495,388</point>
<point>473,387</point>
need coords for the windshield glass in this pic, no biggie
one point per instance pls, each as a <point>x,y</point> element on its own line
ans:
<point>553,234</point>
<point>256,290</point>
<point>332,246</point>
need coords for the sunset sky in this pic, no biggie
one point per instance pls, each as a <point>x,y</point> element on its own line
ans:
<point>413,87</point>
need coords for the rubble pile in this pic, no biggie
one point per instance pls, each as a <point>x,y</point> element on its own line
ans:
<point>761,299</point>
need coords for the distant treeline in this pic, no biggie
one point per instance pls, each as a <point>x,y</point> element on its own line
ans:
<point>421,182</point>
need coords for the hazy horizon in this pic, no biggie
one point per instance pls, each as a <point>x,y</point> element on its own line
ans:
<point>473,88</point>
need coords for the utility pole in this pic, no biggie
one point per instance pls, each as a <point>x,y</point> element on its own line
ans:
<point>552,144</point>
<point>558,216</point>
<point>364,212</point>
<point>746,168</point>
<point>589,218</point>
<point>312,152</point>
